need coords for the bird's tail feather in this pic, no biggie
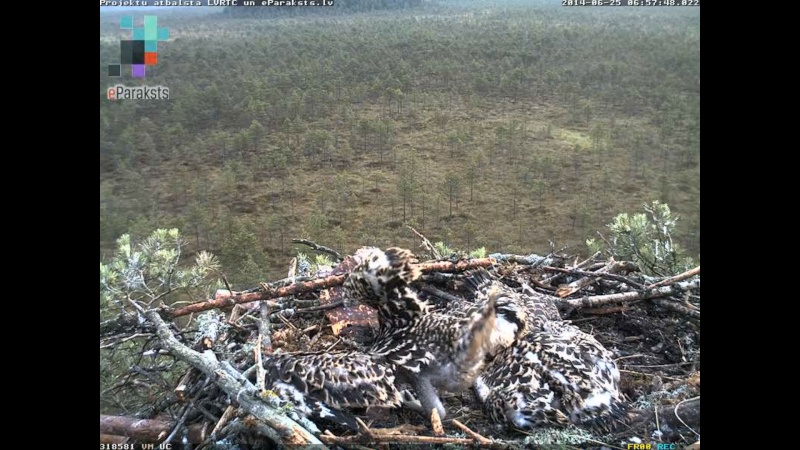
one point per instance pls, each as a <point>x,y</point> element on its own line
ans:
<point>477,280</point>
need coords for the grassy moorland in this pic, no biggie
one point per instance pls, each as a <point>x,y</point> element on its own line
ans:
<point>480,123</point>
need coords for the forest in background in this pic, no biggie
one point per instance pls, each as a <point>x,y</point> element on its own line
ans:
<point>487,124</point>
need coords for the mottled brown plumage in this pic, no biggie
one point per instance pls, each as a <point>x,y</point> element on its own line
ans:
<point>322,385</point>
<point>379,272</point>
<point>555,375</point>
<point>431,350</point>
<point>541,370</point>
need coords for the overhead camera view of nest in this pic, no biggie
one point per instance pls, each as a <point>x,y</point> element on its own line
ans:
<point>393,348</point>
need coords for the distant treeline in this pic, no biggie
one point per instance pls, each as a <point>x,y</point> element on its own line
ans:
<point>341,6</point>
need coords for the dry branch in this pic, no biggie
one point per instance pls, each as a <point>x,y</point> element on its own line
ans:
<point>145,430</point>
<point>440,293</point>
<point>292,289</point>
<point>235,385</point>
<point>392,439</point>
<point>315,285</point>
<point>677,307</point>
<point>586,261</point>
<point>481,440</point>
<point>578,266</point>
<point>459,266</point>
<point>319,248</point>
<point>598,274</point>
<point>676,278</point>
<point>378,437</point>
<point>264,329</point>
<point>436,423</point>
<point>226,417</point>
<point>610,268</point>
<point>183,385</point>
<point>600,300</point>
<point>426,243</point>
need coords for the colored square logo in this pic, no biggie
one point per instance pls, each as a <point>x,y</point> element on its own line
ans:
<point>142,49</point>
<point>137,70</point>
<point>131,52</point>
<point>150,28</point>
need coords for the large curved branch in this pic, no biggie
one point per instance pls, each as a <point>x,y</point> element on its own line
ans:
<point>238,388</point>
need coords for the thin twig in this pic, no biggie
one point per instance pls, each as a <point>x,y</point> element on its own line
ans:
<point>436,423</point>
<point>679,417</point>
<point>310,329</point>
<point>133,336</point>
<point>292,269</point>
<point>227,285</point>
<point>481,440</point>
<point>598,274</point>
<point>286,321</point>
<point>575,267</point>
<point>651,375</point>
<point>659,366</point>
<point>325,307</point>
<point>393,438</point>
<point>592,277</point>
<point>333,345</point>
<point>226,416</point>
<point>587,261</point>
<point>658,427</point>
<point>178,424</point>
<point>265,334</point>
<point>363,428</point>
<point>426,243</point>
<point>261,378</point>
<point>629,357</point>
<point>677,278</point>
<point>320,248</point>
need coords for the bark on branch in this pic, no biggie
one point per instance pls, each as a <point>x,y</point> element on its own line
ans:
<point>238,388</point>
<point>292,289</point>
<point>376,438</point>
<point>676,278</point>
<point>599,300</point>
<point>611,268</point>
<point>143,430</point>
<point>318,284</point>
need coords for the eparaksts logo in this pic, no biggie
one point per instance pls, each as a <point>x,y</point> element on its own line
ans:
<point>142,50</point>
<point>120,92</point>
